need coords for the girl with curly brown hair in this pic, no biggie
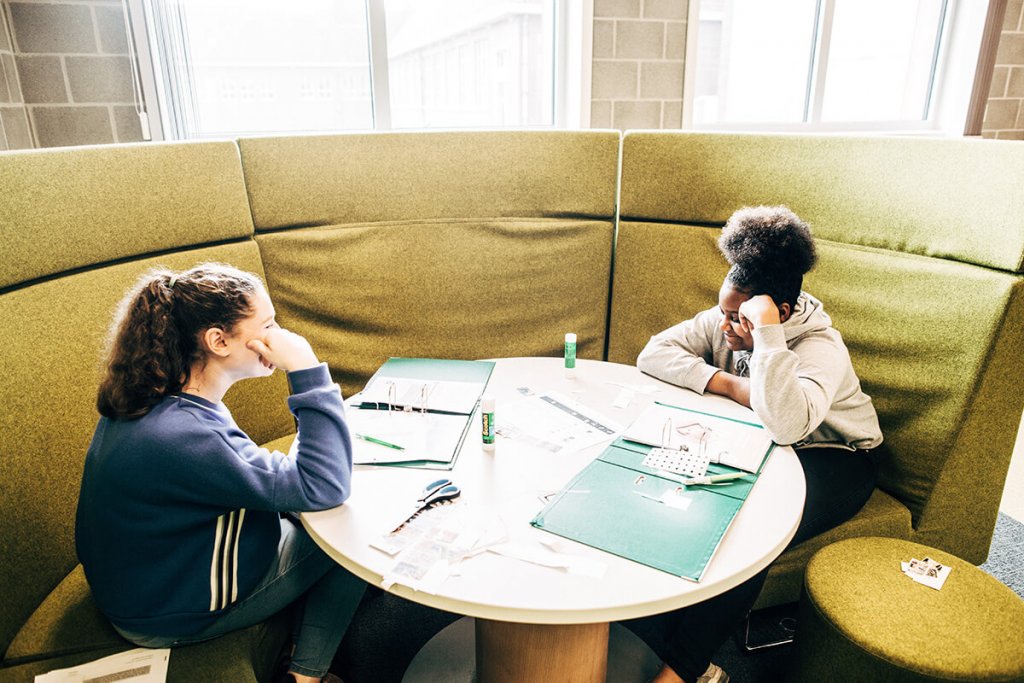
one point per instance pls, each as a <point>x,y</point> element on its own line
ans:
<point>179,525</point>
<point>770,346</point>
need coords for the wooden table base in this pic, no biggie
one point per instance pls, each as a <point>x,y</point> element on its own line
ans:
<point>528,653</point>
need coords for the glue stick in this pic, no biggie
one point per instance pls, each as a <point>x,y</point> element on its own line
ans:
<point>570,355</point>
<point>487,422</point>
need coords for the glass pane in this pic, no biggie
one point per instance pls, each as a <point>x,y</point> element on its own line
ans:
<point>753,61</point>
<point>470,63</point>
<point>262,66</point>
<point>880,60</point>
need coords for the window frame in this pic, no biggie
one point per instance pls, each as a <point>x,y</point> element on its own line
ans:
<point>960,38</point>
<point>570,97</point>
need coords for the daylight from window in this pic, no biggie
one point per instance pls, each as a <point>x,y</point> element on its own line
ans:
<point>263,66</point>
<point>812,61</point>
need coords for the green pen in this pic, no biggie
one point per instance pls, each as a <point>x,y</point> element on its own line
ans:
<point>379,442</point>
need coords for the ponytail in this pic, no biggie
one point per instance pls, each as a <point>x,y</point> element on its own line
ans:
<point>155,338</point>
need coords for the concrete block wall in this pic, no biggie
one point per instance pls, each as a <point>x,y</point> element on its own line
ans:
<point>72,63</point>
<point>1004,114</point>
<point>65,77</point>
<point>637,70</point>
<point>15,132</point>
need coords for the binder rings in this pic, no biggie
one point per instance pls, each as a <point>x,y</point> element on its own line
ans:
<point>724,440</point>
<point>421,406</point>
<point>620,506</point>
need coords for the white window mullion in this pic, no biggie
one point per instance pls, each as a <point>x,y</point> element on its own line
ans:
<point>820,71</point>
<point>380,93</point>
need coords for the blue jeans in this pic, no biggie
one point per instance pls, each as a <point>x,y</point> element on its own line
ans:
<point>325,594</point>
<point>839,482</point>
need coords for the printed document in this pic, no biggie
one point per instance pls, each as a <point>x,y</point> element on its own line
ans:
<point>555,423</point>
<point>141,665</point>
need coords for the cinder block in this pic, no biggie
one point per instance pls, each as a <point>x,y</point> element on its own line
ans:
<point>16,129</point>
<point>1011,49</point>
<point>672,114</point>
<point>42,79</point>
<point>1011,20</point>
<point>1015,81</point>
<point>612,80</point>
<point>1001,114</point>
<point>58,126</point>
<point>52,28</point>
<point>110,23</point>
<point>11,71</point>
<point>637,115</point>
<point>604,38</point>
<point>665,9</point>
<point>616,8</point>
<point>100,79</point>
<point>601,114</point>
<point>661,80</point>
<point>999,77</point>
<point>126,124</point>
<point>639,39</point>
<point>675,40</point>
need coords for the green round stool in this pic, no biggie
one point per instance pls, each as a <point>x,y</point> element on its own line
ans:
<point>862,619</point>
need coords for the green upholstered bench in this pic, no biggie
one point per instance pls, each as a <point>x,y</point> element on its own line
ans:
<point>862,619</point>
<point>921,250</point>
<point>486,244</point>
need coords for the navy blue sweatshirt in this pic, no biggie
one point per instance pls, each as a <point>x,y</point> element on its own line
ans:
<point>178,516</point>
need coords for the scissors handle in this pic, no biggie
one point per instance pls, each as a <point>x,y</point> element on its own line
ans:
<point>447,492</point>
<point>432,488</point>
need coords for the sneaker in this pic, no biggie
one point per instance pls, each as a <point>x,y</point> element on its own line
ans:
<point>714,674</point>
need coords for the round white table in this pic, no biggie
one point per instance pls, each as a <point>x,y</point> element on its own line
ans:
<point>535,622</point>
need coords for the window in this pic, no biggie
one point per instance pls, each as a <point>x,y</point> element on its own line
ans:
<point>821,64</point>
<point>227,67</point>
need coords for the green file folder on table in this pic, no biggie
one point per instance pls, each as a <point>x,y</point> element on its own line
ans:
<point>620,506</point>
<point>422,404</point>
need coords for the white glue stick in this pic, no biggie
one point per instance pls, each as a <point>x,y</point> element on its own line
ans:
<point>487,422</point>
<point>570,355</point>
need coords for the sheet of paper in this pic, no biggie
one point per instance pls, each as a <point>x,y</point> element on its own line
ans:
<point>720,439</point>
<point>927,571</point>
<point>555,423</point>
<point>141,665</point>
<point>426,562</point>
<point>418,394</point>
<point>424,436</point>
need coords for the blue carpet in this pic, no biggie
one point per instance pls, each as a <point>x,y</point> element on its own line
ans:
<point>1007,552</point>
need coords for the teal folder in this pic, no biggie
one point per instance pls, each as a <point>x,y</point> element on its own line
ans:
<point>619,506</point>
<point>456,387</point>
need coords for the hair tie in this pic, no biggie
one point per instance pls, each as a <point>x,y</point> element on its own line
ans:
<point>170,285</point>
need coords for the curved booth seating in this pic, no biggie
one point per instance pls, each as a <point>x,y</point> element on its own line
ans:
<point>862,619</point>
<point>493,244</point>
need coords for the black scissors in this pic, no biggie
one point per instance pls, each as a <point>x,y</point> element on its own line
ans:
<point>437,492</point>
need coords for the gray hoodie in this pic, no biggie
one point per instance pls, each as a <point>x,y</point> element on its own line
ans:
<point>802,384</point>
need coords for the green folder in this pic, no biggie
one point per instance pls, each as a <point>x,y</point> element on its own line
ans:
<point>474,372</point>
<point>615,504</point>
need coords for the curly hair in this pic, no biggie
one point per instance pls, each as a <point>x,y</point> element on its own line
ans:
<point>155,337</point>
<point>770,249</point>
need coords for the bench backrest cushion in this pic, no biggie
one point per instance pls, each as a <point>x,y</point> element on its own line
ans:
<point>919,268</point>
<point>466,245</point>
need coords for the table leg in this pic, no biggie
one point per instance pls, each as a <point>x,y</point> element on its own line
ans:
<point>525,653</point>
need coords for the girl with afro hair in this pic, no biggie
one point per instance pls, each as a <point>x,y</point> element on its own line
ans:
<point>770,346</point>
